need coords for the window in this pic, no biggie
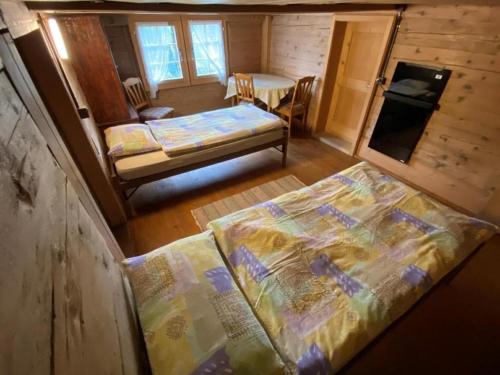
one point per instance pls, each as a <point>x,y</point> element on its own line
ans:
<point>161,42</point>
<point>207,46</point>
<point>160,52</point>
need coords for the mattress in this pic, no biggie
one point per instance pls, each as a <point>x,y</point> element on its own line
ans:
<point>136,166</point>
<point>208,129</point>
<point>327,268</point>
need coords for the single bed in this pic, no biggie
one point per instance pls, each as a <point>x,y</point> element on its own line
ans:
<point>325,269</point>
<point>190,142</point>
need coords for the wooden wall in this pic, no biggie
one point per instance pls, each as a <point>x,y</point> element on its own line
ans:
<point>299,47</point>
<point>244,42</point>
<point>65,307</point>
<point>458,157</point>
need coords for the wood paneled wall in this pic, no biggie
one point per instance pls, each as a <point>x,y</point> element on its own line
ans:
<point>65,306</point>
<point>244,41</point>
<point>458,157</point>
<point>299,47</point>
<point>193,99</point>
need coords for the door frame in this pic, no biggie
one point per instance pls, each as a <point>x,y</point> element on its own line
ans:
<point>337,35</point>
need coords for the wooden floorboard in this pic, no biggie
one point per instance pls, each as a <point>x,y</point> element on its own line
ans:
<point>454,330</point>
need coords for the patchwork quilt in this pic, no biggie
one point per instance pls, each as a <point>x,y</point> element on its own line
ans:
<point>327,268</point>
<point>208,129</point>
<point>194,318</point>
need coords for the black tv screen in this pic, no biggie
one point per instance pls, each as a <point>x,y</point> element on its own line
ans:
<point>409,102</point>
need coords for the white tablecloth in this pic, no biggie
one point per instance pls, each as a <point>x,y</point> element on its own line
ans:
<point>268,88</point>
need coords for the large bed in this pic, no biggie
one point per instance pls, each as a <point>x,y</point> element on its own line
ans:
<point>324,270</point>
<point>195,141</point>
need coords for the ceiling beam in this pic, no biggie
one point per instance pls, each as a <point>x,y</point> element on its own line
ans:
<point>114,6</point>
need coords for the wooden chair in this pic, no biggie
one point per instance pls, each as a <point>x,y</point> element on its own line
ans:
<point>141,102</point>
<point>299,105</point>
<point>244,88</point>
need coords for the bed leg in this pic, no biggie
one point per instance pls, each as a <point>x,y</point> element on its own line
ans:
<point>284,150</point>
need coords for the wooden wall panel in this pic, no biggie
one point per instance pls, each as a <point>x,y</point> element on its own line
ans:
<point>244,43</point>
<point>65,307</point>
<point>299,47</point>
<point>193,99</point>
<point>458,157</point>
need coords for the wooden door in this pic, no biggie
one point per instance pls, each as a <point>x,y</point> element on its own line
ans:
<point>91,59</point>
<point>360,59</point>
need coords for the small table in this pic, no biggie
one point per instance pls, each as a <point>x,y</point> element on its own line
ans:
<point>268,88</point>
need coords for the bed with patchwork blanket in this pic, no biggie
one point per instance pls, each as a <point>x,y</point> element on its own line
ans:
<point>327,268</point>
<point>196,132</point>
<point>142,153</point>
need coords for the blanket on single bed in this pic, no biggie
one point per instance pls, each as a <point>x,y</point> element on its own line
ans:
<point>327,268</point>
<point>208,129</point>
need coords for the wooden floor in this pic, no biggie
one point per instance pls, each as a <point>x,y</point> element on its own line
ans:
<point>454,330</point>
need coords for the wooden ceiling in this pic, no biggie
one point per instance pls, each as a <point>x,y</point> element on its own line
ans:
<point>237,6</point>
<point>289,2</point>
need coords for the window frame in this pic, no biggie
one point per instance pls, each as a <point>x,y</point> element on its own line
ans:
<point>195,79</point>
<point>134,22</point>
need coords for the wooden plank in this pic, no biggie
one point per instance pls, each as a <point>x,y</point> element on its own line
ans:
<point>486,30</point>
<point>465,43</point>
<point>32,232</point>
<point>448,57</point>
<point>91,334</point>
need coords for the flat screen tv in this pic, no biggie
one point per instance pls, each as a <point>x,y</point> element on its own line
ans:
<point>409,102</point>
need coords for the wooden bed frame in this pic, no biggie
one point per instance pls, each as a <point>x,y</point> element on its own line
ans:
<point>121,185</point>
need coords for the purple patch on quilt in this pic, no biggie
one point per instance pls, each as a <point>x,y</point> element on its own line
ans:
<point>223,129</point>
<point>399,215</point>
<point>324,266</point>
<point>314,362</point>
<point>416,276</point>
<point>237,116</point>
<point>343,179</point>
<point>327,209</point>
<point>386,178</point>
<point>220,279</point>
<point>243,256</point>
<point>136,261</point>
<point>275,210</point>
<point>217,364</point>
<point>305,323</point>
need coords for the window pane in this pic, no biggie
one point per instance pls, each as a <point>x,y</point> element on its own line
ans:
<point>160,52</point>
<point>208,47</point>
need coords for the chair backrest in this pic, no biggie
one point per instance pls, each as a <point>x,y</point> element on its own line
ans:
<point>244,88</point>
<point>303,90</point>
<point>136,93</point>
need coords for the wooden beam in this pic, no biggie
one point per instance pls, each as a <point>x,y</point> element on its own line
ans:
<point>111,6</point>
<point>47,79</point>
